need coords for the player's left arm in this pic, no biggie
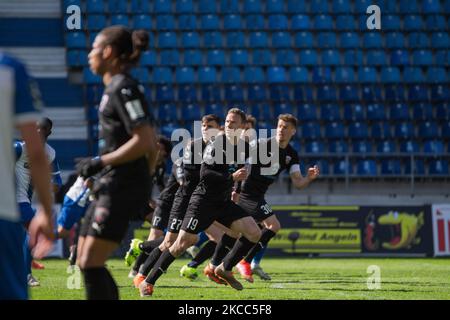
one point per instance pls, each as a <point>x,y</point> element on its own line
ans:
<point>300,181</point>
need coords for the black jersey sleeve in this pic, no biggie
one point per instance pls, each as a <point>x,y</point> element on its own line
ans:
<point>295,160</point>
<point>132,108</point>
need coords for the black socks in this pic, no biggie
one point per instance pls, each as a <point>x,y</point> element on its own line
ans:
<point>99,284</point>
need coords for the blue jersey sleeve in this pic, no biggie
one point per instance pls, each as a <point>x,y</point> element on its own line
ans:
<point>56,173</point>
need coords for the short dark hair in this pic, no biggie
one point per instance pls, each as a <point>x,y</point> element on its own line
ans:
<point>251,119</point>
<point>211,117</point>
<point>46,125</point>
<point>239,112</point>
<point>287,117</point>
<point>167,144</point>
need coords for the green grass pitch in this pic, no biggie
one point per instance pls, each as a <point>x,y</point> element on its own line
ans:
<point>293,278</point>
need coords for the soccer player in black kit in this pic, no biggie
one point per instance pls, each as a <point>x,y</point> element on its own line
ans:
<point>127,148</point>
<point>223,164</point>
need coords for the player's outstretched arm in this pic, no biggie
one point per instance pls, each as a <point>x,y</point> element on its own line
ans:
<point>301,182</point>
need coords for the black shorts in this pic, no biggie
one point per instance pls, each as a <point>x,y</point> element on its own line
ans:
<point>179,208</point>
<point>116,204</point>
<point>203,211</point>
<point>257,208</point>
<point>161,215</point>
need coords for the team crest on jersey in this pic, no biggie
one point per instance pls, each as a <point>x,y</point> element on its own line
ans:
<point>103,102</point>
<point>288,159</point>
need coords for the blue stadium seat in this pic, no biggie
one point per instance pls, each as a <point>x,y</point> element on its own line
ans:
<point>187,93</point>
<point>399,111</point>
<point>164,93</point>
<point>279,92</point>
<point>276,75</point>
<point>314,147</point>
<point>418,93</point>
<point>210,22</point>
<point>190,40</point>
<point>207,6</point>
<point>372,40</point>
<point>440,93</point>
<point>90,78</point>
<point>210,93</point>
<point>404,130</point>
<point>162,75</point>
<point>433,146</point>
<point>423,111</point>
<point>215,57</point>
<point>366,168</point>
<point>371,94</point>
<point>72,58</point>
<point>390,75</point>
<point>192,58</point>
<point>350,40</point>
<point>443,111</point>
<point>390,167</point>
<point>261,112</point>
<point>215,109</point>
<point>395,40</point>
<point>348,93</point>
<point>285,57</point>
<point>390,22</point>
<point>381,130</point>
<point>167,40</point>
<point>437,75</point>
<point>362,5</point>
<point>298,75</point>
<point>261,57</point>
<point>361,146</point>
<point>281,40</point>
<point>409,6</point>
<point>140,7</point>
<point>307,112</point>
<point>120,19</point>
<point>394,93</point>
<point>376,58</point>
<point>252,6</point>
<point>311,130</point>
<point>229,6</point>
<point>165,22</point>
<point>353,57</point>
<point>167,112</point>
<point>169,57</point>
<point>330,112</point>
<point>212,40</point>
<point>330,57</point>
<point>95,6</point>
<point>253,74</point>
<point>321,75</point>
<point>168,128</point>
<point>358,130</point>
<point>283,108</point>
<point>296,6</point>
<point>95,22</point>
<point>418,40</point>
<point>308,57</point>
<point>162,6</point>
<point>367,75</point>
<point>345,22</point>
<point>413,75</point>
<point>354,112</point>
<point>447,6</point>
<point>413,23</point>
<point>142,21</point>
<point>342,167</point>
<point>191,112</point>
<point>386,146</point>
<point>234,93</point>
<point>117,6</point>
<point>278,22</point>
<point>436,22</point>
<point>275,6</point>
<point>76,40</point>
<point>237,40</point>
<point>67,3</point>
<point>409,146</point>
<point>422,57</point>
<point>232,22</point>
<point>418,169</point>
<point>439,167</point>
<point>341,6</point>
<point>338,146</point>
<point>257,93</point>
<point>207,75</point>
<point>399,58</point>
<point>187,22</point>
<point>334,130</point>
<point>300,22</point>
<point>184,6</point>
<point>231,75</point>
<point>326,40</point>
<point>323,22</point>
<point>375,112</point>
<point>326,93</point>
<point>303,40</point>
<point>254,22</point>
<point>303,94</point>
<point>318,6</point>
<point>344,75</point>
<point>141,74</point>
<point>184,75</point>
<point>239,57</point>
<point>446,130</point>
<point>431,6</point>
<point>428,130</point>
<point>442,57</point>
